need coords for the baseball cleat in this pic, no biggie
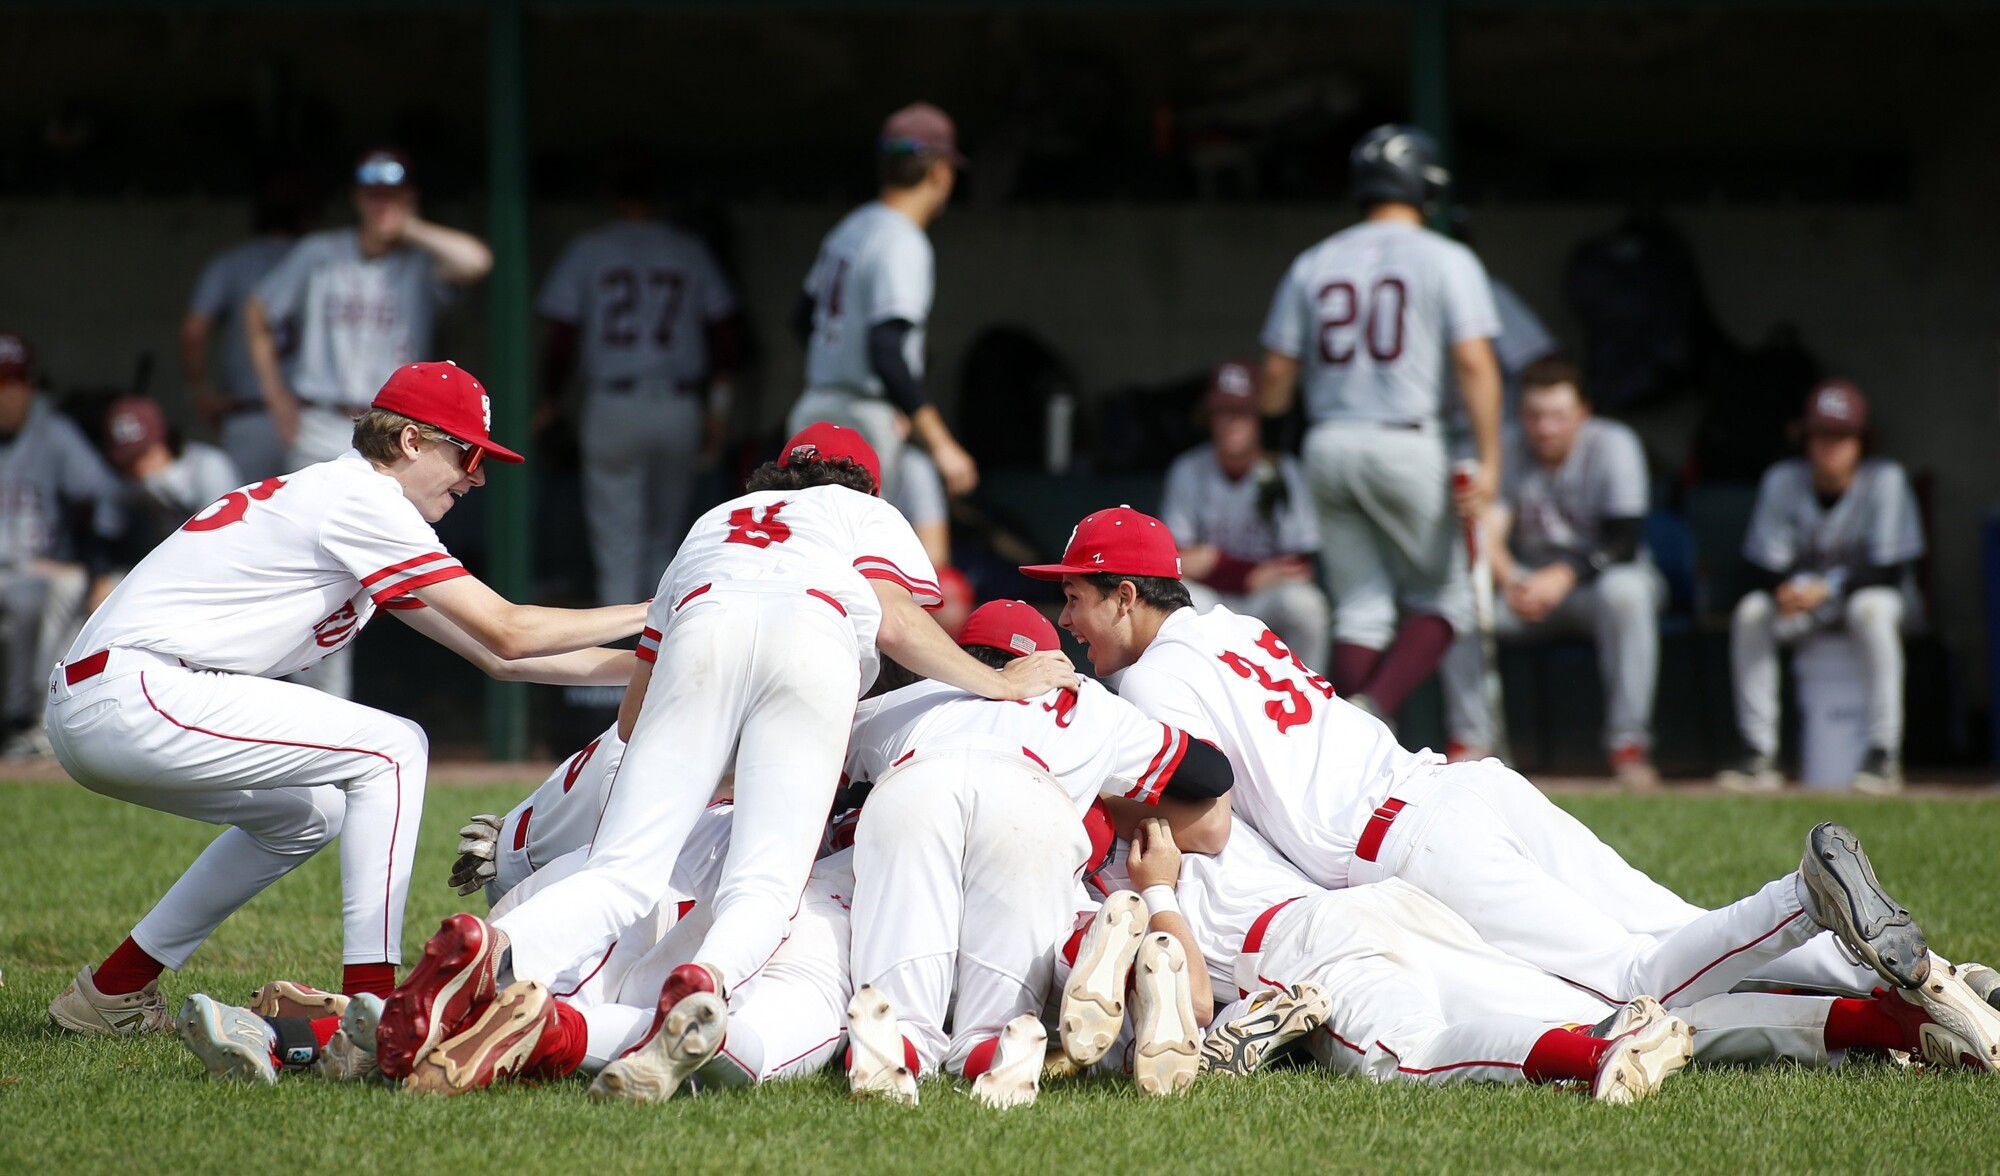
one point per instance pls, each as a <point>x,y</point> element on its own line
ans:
<point>1982,980</point>
<point>878,1064</point>
<point>1948,1022</point>
<point>1275,1020</point>
<point>1013,1079</point>
<point>1166,1041</point>
<point>349,1055</point>
<point>284,998</point>
<point>495,1045</point>
<point>234,1044</point>
<point>1093,1002</point>
<point>688,1026</point>
<point>1845,898</point>
<point>81,1008</point>
<point>447,987</point>
<point>1755,772</point>
<point>1648,1046</point>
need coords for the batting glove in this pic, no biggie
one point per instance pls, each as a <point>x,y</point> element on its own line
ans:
<point>477,843</point>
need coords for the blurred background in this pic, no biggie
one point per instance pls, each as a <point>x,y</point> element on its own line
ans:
<point>1798,191</point>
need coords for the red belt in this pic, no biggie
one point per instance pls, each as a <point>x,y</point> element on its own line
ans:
<point>1255,940</point>
<point>1378,828</point>
<point>86,668</point>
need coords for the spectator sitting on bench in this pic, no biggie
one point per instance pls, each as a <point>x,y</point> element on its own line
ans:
<point>1831,545</point>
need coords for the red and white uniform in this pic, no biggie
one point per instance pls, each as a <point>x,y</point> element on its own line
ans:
<point>969,847</point>
<point>557,818</point>
<point>763,635</point>
<point>167,699</point>
<point>1329,787</point>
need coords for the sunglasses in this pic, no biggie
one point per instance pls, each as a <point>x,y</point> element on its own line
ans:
<point>381,173</point>
<point>474,456</point>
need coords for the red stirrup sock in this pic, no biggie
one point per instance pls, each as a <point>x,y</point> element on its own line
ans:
<point>1853,1023</point>
<point>1565,1053</point>
<point>127,969</point>
<point>374,979</point>
<point>980,1059</point>
<point>561,1048</point>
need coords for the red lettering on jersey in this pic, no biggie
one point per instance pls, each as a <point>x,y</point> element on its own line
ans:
<point>1270,644</point>
<point>577,761</point>
<point>1064,707</point>
<point>329,633</point>
<point>1287,712</point>
<point>231,507</point>
<point>746,528</point>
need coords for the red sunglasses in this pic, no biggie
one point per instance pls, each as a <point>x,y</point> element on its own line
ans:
<point>475,456</point>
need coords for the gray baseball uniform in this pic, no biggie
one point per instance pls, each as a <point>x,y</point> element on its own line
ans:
<point>1371,314</point>
<point>229,277</point>
<point>642,296</point>
<point>876,265</point>
<point>1558,515</point>
<point>1873,525</point>
<point>1203,505</point>
<point>919,490</point>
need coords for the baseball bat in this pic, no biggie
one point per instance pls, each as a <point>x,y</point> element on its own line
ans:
<point>1481,571</point>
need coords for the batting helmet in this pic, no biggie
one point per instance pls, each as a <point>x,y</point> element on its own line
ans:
<point>1397,163</point>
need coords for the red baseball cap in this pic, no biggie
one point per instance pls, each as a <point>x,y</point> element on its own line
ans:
<point>1836,406</point>
<point>1120,541</point>
<point>830,442</point>
<point>445,396</point>
<point>1010,626</point>
<point>921,127</point>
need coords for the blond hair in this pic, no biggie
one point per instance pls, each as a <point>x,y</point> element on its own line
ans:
<point>379,435</point>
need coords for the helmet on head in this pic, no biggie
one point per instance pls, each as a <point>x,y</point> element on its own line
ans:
<point>1397,163</point>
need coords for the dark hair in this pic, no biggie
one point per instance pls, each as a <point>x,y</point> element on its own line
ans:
<point>905,169</point>
<point>801,475</point>
<point>1160,592</point>
<point>990,656</point>
<point>892,676</point>
<point>1550,370</point>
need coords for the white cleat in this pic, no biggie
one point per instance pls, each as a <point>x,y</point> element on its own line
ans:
<point>1268,1023</point>
<point>687,1037</point>
<point>234,1044</point>
<point>1166,1050</point>
<point>876,1063</point>
<point>1648,1046</point>
<point>349,1055</point>
<point>1964,1029</point>
<point>81,1008</point>
<point>1013,1080</point>
<point>1093,1002</point>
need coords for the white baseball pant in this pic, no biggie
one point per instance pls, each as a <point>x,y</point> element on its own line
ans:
<point>289,768</point>
<point>757,669</point>
<point>965,867</point>
<point>1872,616</point>
<point>557,818</point>
<point>639,448</point>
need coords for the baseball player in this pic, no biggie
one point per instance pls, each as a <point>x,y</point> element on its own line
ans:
<point>771,600</point>
<point>1244,520</point>
<point>163,487</point>
<point>658,331</point>
<point>1567,547</point>
<point>166,699</point>
<point>1371,326</point>
<point>1831,543</point>
<point>918,493</point>
<point>1328,785</point>
<point>867,298</point>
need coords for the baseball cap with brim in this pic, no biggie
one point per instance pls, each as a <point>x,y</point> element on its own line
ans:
<point>383,168</point>
<point>824,440</point>
<point>921,127</point>
<point>1836,406</point>
<point>446,397</point>
<point>1010,626</point>
<point>1119,541</point>
<point>15,357</point>
<point>132,425</point>
<point>1232,389</point>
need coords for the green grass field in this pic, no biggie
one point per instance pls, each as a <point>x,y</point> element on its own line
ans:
<point>77,870</point>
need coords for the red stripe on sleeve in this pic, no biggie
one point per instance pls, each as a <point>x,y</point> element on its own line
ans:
<point>404,565</point>
<point>1166,744</point>
<point>1167,773</point>
<point>405,587</point>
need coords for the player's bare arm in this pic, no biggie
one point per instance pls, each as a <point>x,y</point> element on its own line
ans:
<point>1478,375</point>
<point>514,631</point>
<point>461,257</point>
<point>195,328</point>
<point>914,641</point>
<point>954,464</point>
<point>278,399</point>
<point>1200,826</point>
<point>1281,384</point>
<point>596,666</point>
<point>1155,862</point>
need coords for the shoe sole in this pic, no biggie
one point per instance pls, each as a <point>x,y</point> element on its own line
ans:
<point>687,1038</point>
<point>434,998</point>
<point>1289,1016</point>
<point>1874,926</point>
<point>1093,1004</point>
<point>1166,1051</point>
<point>284,998</point>
<point>1637,1014</point>
<point>496,1045</point>
<point>1642,1060</point>
<point>1958,1009</point>
<point>1014,1078</point>
<point>226,1060</point>
<point>679,986</point>
<point>875,1050</point>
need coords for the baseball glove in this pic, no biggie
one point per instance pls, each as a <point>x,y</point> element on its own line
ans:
<point>477,843</point>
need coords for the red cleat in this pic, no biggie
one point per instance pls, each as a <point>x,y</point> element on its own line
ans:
<point>453,981</point>
<point>682,983</point>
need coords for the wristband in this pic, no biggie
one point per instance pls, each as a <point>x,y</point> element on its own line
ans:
<point>1160,900</point>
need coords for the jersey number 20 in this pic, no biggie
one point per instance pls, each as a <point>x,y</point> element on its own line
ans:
<point>1379,313</point>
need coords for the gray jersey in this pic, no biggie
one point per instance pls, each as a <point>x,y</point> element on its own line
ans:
<point>1202,505</point>
<point>642,294</point>
<point>45,469</point>
<point>1875,522</point>
<point>1560,512</point>
<point>228,278</point>
<point>359,318</point>
<point>874,266</point>
<point>916,489</point>
<point>1371,314</point>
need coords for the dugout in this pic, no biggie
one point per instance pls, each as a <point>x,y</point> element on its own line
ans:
<point>1142,175</point>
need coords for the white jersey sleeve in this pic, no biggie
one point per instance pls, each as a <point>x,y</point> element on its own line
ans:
<point>1290,318</point>
<point>283,290</point>
<point>1467,297</point>
<point>897,281</point>
<point>387,546</point>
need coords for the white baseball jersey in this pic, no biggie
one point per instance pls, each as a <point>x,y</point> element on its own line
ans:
<point>1371,313</point>
<point>1560,512</point>
<point>1875,522</point>
<point>1202,504</point>
<point>876,265</point>
<point>828,540</point>
<point>1222,895</point>
<point>227,279</point>
<point>642,294</point>
<point>1310,768</point>
<point>1093,742</point>
<point>359,318</point>
<point>273,577</point>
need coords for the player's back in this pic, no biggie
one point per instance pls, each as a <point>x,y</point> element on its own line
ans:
<point>639,292</point>
<point>875,265</point>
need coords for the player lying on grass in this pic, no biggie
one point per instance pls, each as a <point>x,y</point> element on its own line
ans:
<point>169,697</point>
<point>1327,784</point>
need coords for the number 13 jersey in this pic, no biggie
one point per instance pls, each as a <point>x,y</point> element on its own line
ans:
<point>1310,768</point>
